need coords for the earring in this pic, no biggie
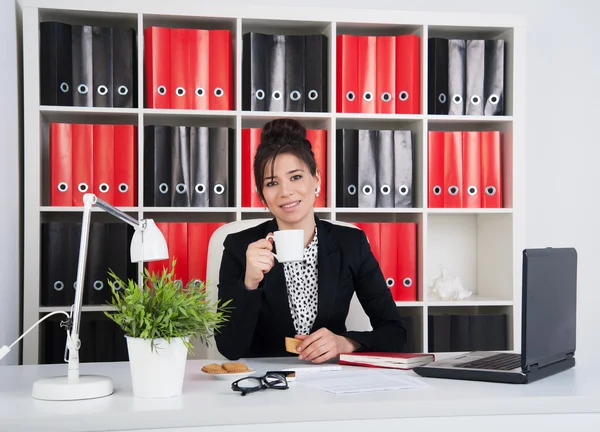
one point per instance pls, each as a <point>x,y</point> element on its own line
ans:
<point>317,190</point>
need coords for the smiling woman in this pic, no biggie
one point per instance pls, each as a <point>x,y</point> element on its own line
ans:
<point>308,299</point>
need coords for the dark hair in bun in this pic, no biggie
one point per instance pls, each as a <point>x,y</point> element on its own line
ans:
<point>281,136</point>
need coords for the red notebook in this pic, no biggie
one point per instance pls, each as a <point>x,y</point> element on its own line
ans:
<point>386,359</point>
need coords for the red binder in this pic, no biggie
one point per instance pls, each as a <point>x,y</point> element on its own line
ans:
<point>407,261</point>
<point>389,256</point>
<point>125,166</point>
<point>318,139</point>
<point>347,74</point>
<point>219,60</point>
<point>157,56</point>
<point>199,69</point>
<point>435,169</point>
<point>83,161</point>
<point>453,181</point>
<point>408,79</point>
<point>158,267</point>
<point>104,153</point>
<point>385,102</point>
<point>250,142</point>
<point>471,169</point>
<point>372,231</point>
<point>178,239</point>
<point>367,77</point>
<point>180,67</point>
<point>61,156</point>
<point>197,238</point>
<point>491,169</point>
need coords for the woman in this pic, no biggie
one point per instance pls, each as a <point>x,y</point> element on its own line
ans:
<point>308,300</point>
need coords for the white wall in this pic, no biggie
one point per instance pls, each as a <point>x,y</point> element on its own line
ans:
<point>9,179</point>
<point>563,174</point>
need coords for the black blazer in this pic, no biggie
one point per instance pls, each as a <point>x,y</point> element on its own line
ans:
<point>261,319</point>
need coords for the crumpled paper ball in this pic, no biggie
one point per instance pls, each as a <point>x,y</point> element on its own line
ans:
<point>446,287</point>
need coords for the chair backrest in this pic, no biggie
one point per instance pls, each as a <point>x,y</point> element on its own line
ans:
<point>357,318</point>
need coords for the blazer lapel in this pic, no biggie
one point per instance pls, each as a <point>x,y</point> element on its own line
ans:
<point>329,270</point>
<point>276,290</point>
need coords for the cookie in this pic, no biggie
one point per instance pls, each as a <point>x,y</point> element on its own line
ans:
<point>214,368</point>
<point>235,367</point>
<point>291,344</point>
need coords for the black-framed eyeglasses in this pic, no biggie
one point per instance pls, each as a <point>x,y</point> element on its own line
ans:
<point>271,380</point>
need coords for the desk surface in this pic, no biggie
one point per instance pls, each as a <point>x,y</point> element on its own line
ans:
<point>207,401</point>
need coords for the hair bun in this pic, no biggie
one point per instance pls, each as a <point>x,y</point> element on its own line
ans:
<point>284,130</point>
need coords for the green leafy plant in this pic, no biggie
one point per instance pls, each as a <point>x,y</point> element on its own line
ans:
<point>165,308</point>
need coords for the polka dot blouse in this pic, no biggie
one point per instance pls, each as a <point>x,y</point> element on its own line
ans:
<point>301,278</point>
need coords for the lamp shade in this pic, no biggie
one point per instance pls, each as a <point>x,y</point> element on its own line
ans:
<point>148,244</point>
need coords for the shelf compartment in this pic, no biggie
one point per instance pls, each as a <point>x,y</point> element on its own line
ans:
<point>417,140</point>
<point>507,161</point>
<point>476,248</point>
<point>485,33</point>
<point>459,329</point>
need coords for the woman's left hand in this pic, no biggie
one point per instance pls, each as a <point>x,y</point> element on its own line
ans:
<point>323,345</point>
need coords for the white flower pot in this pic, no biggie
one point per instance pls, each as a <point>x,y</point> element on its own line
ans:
<point>158,372</point>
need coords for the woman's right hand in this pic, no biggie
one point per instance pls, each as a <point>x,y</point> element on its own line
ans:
<point>259,260</point>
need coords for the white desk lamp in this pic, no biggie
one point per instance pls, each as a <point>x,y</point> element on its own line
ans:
<point>147,244</point>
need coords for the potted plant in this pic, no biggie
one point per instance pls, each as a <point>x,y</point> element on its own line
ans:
<point>159,320</point>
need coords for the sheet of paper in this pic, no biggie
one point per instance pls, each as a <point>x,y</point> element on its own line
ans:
<point>371,380</point>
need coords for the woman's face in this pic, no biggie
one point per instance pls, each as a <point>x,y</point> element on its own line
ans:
<point>289,190</point>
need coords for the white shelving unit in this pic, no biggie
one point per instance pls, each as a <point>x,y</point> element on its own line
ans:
<point>482,246</point>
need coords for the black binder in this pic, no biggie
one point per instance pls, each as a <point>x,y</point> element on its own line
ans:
<point>124,82</point>
<point>494,77</point>
<point>96,286</point>
<point>294,73</point>
<point>56,75</point>
<point>384,194</point>
<point>157,166</point>
<point>475,55</point>
<point>56,257</point>
<point>367,168</point>
<point>456,76</point>
<point>254,71</point>
<point>199,166</point>
<point>275,100</point>
<point>347,172</point>
<point>102,46</point>
<point>315,73</point>
<point>220,192</point>
<point>180,167</point>
<point>437,76</point>
<point>403,169</point>
<point>83,84</point>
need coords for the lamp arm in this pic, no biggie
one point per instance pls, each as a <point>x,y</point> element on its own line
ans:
<point>94,200</point>
<point>89,200</point>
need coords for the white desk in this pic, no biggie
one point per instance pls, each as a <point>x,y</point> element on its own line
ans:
<point>559,403</point>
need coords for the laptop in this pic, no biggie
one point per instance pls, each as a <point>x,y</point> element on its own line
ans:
<point>549,293</point>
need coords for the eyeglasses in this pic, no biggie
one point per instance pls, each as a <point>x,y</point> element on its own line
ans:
<point>271,380</point>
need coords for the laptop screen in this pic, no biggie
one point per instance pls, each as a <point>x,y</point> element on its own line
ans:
<point>549,304</point>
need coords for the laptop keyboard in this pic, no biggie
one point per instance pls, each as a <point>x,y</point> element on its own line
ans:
<point>501,361</point>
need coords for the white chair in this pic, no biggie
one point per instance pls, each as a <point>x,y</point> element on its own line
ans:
<point>357,318</point>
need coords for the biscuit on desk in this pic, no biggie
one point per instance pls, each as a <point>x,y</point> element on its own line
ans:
<point>214,368</point>
<point>291,345</point>
<point>235,367</point>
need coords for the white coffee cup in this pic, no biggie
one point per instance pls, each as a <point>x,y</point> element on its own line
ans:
<point>289,244</point>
